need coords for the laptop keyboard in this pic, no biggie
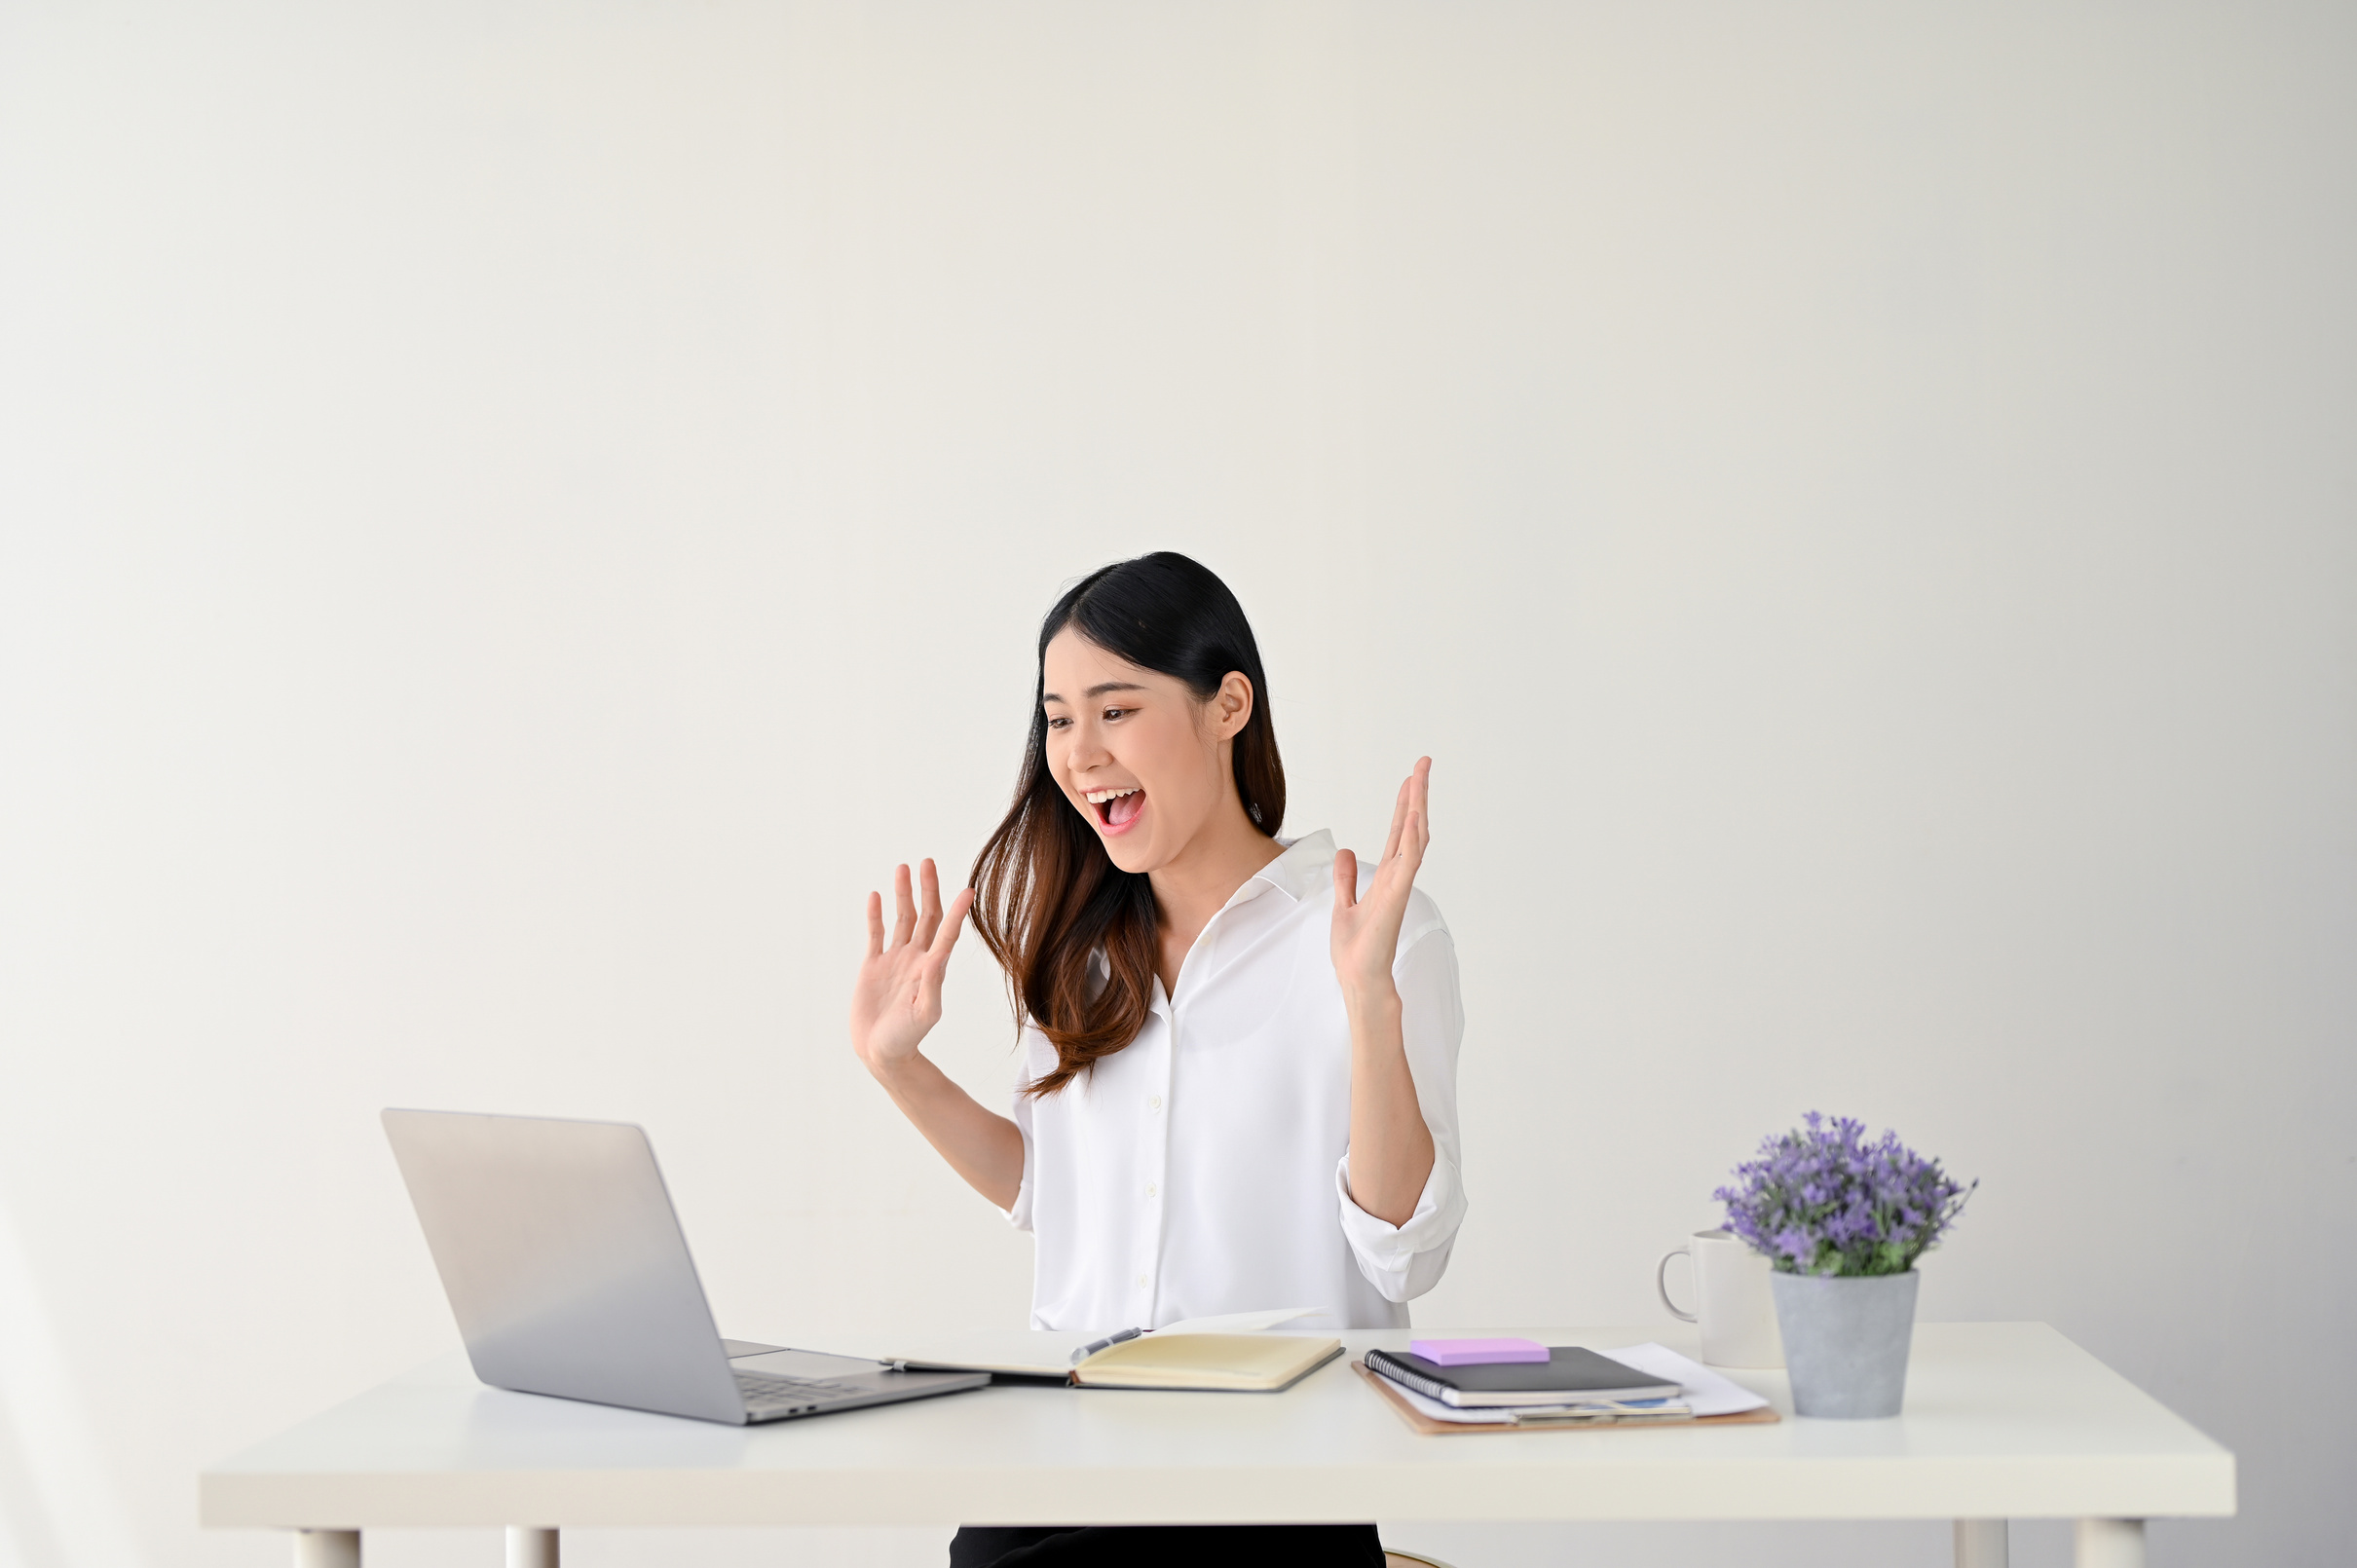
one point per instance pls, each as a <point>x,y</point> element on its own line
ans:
<point>765,1388</point>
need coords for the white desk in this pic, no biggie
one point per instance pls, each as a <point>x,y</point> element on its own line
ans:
<point>2002,1421</point>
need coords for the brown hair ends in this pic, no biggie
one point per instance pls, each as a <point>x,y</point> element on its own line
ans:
<point>1048,900</point>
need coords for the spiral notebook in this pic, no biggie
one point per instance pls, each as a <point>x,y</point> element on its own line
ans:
<point>1706,1398</point>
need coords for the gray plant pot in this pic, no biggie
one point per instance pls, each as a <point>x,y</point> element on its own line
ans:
<point>1846,1341</point>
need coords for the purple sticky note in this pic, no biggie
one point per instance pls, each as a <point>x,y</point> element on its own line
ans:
<point>1477,1352</point>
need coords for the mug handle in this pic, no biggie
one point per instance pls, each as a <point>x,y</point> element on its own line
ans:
<point>1660,1283</point>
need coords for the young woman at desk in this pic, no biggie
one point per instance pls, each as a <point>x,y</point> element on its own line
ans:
<point>1239,1050</point>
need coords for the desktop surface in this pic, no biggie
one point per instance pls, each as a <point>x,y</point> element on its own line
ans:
<point>2002,1420</point>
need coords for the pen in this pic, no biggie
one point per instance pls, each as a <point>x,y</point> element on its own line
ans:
<point>1096,1345</point>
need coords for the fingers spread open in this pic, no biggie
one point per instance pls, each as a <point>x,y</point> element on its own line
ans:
<point>928,909</point>
<point>950,925</point>
<point>905,926</point>
<point>874,925</point>
<point>1346,879</point>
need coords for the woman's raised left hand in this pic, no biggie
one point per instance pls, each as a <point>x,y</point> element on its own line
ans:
<point>1367,931</point>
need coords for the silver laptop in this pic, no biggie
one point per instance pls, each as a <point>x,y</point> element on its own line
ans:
<point>565,1264</point>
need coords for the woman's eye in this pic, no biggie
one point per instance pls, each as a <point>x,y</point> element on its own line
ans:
<point>1115,713</point>
<point>1058,724</point>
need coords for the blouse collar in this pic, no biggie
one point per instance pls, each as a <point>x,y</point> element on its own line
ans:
<point>1306,864</point>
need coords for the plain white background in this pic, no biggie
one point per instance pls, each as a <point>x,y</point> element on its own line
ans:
<point>515,516</point>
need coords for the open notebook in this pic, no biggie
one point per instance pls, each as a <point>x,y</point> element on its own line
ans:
<point>1203,1354</point>
<point>1251,1364</point>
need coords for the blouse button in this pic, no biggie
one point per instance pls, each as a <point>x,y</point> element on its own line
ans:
<point>1140,1281</point>
<point>1149,1189</point>
<point>1154,1104</point>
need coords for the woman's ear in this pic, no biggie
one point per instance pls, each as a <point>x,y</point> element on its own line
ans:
<point>1232,704</point>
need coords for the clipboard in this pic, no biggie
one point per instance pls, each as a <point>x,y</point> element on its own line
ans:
<point>1418,1421</point>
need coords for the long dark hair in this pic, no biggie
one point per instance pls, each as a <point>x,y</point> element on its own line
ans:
<point>1047,897</point>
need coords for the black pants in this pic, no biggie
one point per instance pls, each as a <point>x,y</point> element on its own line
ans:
<point>1179,1546</point>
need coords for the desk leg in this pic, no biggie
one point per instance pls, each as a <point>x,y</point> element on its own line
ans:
<point>327,1548</point>
<point>529,1549</point>
<point>1980,1544</point>
<point>2110,1544</point>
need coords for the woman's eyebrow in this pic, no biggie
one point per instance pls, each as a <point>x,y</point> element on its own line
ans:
<point>1096,691</point>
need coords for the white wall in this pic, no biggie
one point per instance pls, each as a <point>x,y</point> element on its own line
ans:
<point>514,516</point>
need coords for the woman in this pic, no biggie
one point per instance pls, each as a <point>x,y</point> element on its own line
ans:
<point>1239,1085</point>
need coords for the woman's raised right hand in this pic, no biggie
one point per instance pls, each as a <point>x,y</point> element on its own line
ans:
<point>896,1000</point>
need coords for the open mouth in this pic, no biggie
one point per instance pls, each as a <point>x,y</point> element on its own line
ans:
<point>1116,809</point>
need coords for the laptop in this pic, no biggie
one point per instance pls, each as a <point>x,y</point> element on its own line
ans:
<point>566,1267</point>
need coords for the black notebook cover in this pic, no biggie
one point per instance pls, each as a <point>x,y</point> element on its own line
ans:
<point>1574,1372</point>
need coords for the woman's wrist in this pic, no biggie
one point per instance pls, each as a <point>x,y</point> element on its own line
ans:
<point>1371,1002</point>
<point>896,1073</point>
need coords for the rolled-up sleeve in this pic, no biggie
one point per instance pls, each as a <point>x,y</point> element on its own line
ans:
<point>1404,1261</point>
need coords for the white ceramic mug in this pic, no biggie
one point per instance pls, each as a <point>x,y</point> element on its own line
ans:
<point>1731,1300</point>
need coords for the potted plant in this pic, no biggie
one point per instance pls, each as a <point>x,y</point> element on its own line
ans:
<point>1842,1221</point>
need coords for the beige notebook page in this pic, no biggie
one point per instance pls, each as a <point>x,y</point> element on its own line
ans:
<point>1206,1360</point>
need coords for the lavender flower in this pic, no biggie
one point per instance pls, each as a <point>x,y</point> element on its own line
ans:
<point>1825,1201</point>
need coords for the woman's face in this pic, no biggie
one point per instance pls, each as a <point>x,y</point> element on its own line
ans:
<point>1135,751</point>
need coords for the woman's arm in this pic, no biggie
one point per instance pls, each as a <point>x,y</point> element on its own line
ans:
<point>895,1002</point>
<point>1391,1149</point>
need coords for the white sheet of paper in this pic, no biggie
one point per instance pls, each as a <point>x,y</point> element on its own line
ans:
<point>1474,1415</point>
<point>1705,1391</point>
<point>1425,1404</point>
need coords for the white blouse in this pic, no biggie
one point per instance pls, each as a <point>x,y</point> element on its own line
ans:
<point>1204,1168</point>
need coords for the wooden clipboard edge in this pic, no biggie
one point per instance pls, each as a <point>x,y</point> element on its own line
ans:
<point>1417,1420</point>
